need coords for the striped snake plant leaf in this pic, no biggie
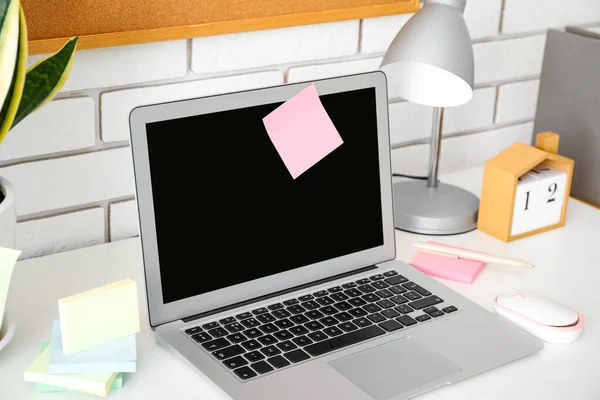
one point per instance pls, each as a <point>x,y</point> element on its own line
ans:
<point>9,43</point>
<point>11,103</point>
<point>45,79</point>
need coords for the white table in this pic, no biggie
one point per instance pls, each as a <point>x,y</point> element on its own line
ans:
<point>567,270</point>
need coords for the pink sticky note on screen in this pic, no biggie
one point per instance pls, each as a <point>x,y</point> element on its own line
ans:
<point>301,131</point>
<point>455,269</point>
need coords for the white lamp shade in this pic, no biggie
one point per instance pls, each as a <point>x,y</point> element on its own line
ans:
<point>430,61</point>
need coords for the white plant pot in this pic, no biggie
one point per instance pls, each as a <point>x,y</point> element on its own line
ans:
<point>8,215</point>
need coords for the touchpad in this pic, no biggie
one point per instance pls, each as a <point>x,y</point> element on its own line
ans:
<point>393,368</point>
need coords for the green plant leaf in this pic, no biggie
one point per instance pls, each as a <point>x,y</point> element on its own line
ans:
<point>9,43</point>
<point>45,79</point>
<point>11,103</point>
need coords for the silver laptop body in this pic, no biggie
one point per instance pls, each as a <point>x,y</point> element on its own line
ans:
<point>276,288</point>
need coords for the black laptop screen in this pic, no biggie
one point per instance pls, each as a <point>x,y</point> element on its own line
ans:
<point>228,211</point>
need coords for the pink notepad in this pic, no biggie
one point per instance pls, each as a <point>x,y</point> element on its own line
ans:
<point>455,269</point>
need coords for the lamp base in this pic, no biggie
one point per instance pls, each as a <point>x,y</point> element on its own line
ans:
<point>443,210</point>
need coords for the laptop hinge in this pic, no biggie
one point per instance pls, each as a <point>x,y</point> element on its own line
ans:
<point>278,293</point>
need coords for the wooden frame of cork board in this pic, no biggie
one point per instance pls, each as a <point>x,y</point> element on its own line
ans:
<point>107,23</point>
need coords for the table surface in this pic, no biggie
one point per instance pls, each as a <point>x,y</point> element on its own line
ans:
<point>566,270</point>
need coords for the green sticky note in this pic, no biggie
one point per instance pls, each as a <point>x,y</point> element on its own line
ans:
<point>39,387</point>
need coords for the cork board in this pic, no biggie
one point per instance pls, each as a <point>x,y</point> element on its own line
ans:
<point>104,23</point>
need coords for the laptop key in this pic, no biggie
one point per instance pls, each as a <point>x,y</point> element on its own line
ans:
<point>339,297</point>
<point>395,280</point>
<point>377,277</point>
<point>299,330</point>
<point>254,356</point>
<point>380,285</point>
<point>363,281</point>
<point>265,318</point>
<point>376,318</point>
<point>228,352</point>
<point>218,332</point>
<point>283,335</point>
<point>430,309</point>
<point>425,302</point>
<point>399,299</point>
<point>397,289</point>
<point>325,301</point>
<point>235,327</point>
<point>349,285</point>
<point>281,314</point>
<point>371,308</point>
<point>353,292</point>
<point>284,323</point>
<point>384,293</point>
<point>210,325</point>
<point>347,339</point>
<point>251,345</point>
<point>362,322</point>
<point>314,314</point>
<point>302,341</point>
<point>412,295</point>
<point>244,315</point>
<point>335,289</point>
<point>371,298</point>
<point>390,313</point>
<point>343,306</point>
<point>404,309</point>
<point>193,330</point>
<point>306,297</point>
<point>270,351</point>
<point>357,302</point>
<point>321,293</point>
<point>436,314</point>
<point>236,338</point>
<point>314,326</point>
<point>290,302</point>
<point>329,321</point>
<point>391,325</point>
<point>423,317</point>
<point>406,320</point>
<point>268,328</point>
<point>250,323</point>
<point>299,319</point>
<point>201,337</point>
<point>252,333</point>
<point>366,288</point>
<point>343,316</point>
<point>235,362</point>
<point>296,309</point>
<point>267,340</point>
<point>244,373</point>
<point>216,344</point>
<point>262,367</point>
<point>416,288</point>
<point>260,311</point>
<point>357,312</point>
<point>276,306</point>
<point>286,346</point>
<point>333,331</point>
<point>278,362</point>
<point>228,320</point>
<point>296,356</point>
<point>311,305</point>
<point>317,336</point>
<point>385,303</point>
<point>328,310</point>
<point>347,327</point>
<point>389,273</point>
<point>449,309</point>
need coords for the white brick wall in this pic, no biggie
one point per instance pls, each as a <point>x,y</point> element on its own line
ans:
<point>71,166</point>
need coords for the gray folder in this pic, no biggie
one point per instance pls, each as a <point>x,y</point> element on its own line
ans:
<point>569,104</point>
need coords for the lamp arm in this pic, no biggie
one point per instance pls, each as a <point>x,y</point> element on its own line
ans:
<point>435,147</point>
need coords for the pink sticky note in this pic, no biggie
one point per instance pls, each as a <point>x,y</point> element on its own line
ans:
<point>301,131</point>
<point>455,269</point>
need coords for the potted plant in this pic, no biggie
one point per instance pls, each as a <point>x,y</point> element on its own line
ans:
<point>22,91</point>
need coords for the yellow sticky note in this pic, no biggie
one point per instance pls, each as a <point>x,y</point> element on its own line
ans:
<point>99,316</point>
<point>98,384</point>
<point>8,259</point>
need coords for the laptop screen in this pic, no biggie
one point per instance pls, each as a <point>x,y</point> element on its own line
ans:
<point>227,210</point>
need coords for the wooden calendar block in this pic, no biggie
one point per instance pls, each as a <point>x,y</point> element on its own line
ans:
<point>525,190</point>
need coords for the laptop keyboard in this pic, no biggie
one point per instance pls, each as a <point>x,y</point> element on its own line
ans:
<point>270,338</point>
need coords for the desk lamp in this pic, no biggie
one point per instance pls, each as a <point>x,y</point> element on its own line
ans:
<point>430,62</point>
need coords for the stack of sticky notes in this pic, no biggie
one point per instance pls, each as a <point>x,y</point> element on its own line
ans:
<point>93,343</point>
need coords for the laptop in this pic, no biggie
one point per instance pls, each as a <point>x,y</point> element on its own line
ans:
<point>281,288</point>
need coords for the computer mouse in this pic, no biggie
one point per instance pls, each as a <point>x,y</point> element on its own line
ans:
<point>541,317</point>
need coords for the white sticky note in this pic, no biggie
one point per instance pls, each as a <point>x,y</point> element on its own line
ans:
<point>99,316</point>
<point>8,259</point>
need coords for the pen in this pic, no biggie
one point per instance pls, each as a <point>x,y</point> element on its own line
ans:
<point>447,251</point>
